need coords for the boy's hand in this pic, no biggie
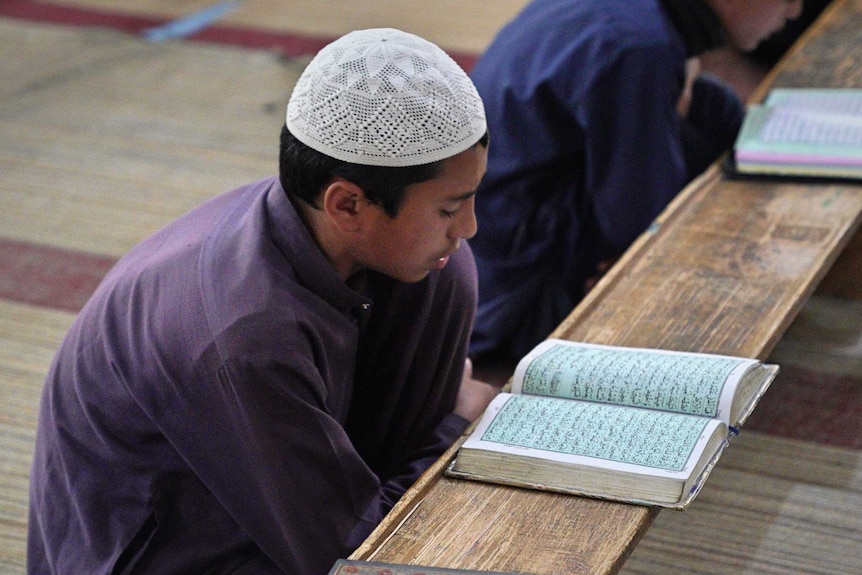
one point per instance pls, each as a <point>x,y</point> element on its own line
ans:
<point>474,395</point>
<point>692,69</point>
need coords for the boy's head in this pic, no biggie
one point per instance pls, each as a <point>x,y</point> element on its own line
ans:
<point>381,108</point>
<point>749,22</point>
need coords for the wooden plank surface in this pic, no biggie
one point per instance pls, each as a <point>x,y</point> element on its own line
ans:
<point>724,269</point>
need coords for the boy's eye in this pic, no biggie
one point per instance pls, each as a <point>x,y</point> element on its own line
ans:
<point>453,211</point>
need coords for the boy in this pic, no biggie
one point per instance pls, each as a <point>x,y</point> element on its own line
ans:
<point>253,387</point>
<point>600,117</point>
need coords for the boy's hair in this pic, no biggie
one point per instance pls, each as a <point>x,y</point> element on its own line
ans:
<point>305,173</point>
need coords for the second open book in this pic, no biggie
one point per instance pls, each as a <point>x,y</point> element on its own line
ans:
<point>807,132</point>
<point>628,424</point>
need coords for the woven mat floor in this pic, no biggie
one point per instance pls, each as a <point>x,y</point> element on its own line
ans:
<point>773,505</point>
<point>104,138</point>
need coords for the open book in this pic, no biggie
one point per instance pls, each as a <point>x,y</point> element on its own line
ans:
<point>629,424</point>
<point>803,132</point>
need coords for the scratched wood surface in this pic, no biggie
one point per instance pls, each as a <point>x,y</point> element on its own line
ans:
<point>725,269</point>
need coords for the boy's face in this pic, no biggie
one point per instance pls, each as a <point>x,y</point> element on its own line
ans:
<point>749,22</point>
<point>433,218</point>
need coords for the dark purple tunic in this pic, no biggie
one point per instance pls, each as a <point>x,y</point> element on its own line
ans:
<point>225,403</point>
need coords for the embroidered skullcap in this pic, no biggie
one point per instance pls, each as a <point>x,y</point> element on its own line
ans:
<point>383,97</point>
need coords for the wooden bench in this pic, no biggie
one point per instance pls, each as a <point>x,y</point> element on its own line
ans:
<point>724,269</point>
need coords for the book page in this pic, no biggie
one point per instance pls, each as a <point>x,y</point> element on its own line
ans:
<point>811,127</point>
<point>804,130</point>
<point>681,382</point>
<point>842,101</point>
<point>593,434</point>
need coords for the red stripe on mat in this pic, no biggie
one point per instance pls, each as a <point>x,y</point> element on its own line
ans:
<point>289,44</point>
<point>71,16</point>
<point>49,277</point>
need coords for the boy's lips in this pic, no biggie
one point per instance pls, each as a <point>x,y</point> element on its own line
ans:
<point>441,262</point>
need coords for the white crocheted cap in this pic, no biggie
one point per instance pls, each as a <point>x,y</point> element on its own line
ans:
<point>383,97</point>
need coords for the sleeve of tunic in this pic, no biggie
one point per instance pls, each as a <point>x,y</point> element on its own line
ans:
<point>285,470</point>
<point>635,163</point>
<point>271,445</point>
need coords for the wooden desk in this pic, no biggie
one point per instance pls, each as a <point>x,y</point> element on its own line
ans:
<point>724,269</point>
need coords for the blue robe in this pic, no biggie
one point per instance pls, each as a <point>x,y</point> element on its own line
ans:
<point>587,148</point>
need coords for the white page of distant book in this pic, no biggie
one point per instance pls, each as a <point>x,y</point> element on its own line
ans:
<point>803,131</point>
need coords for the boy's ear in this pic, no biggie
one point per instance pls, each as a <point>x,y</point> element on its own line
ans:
<point>344,202</point>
